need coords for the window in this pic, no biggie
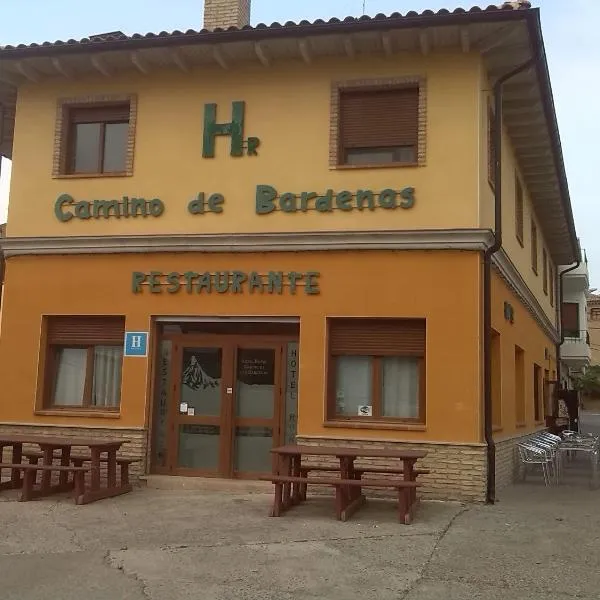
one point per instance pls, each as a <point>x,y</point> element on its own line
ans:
<point>537,399</point>
<point>491,123</point>
<point>377,370</point>
<point>379,126</point>
<point>519,226</point>
<point>496,380</point>
<point>520,385</point>
<point>84,362</point>
<point>545,270</point>
<point>595,314</point>
<point>534,248</point>
<point>97,139</point>
<point>570,319</point>
<point>551,283</point>
<point>96,136</point>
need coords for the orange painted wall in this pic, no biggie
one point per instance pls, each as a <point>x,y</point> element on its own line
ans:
<point>444,287</point>
<point>527,334</point>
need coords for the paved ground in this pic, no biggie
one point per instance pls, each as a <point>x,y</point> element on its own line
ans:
<point>163,545</point>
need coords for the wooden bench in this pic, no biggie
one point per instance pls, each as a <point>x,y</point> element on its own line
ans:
<point>78,459</point>
<point>345,504</point>
<point>29,476</point>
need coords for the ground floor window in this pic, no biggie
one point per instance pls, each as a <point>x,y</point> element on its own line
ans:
<point>84,362</point>
<point>376,370</point>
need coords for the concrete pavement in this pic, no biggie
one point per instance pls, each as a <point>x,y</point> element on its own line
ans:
<point>163,545</point>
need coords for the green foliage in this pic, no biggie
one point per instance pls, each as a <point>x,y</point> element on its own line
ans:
<point>589,382</point>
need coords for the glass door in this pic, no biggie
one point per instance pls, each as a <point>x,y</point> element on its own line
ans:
<point>257,407</point>
<point>199,392</point>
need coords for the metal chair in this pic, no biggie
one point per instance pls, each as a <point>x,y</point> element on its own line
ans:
<point>533,455</point>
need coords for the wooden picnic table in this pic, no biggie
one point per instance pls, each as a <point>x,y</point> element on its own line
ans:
<point>288,464</point>
<point>59,448</point>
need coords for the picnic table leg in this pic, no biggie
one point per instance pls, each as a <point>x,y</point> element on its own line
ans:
<point>17,456</point>
<point>409,475</point>
<point>95,475</point>
<point>111,473</point>
<point>65,461</point>
<point>286,467</point>
<point>48,452</point>
<point>28,483</point>
<point>296,487</point>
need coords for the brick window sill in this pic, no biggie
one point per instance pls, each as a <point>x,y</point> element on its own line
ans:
<point>398,426</point>
<point>58,412</point>
<point>90,175</point>
<point>374,166</point>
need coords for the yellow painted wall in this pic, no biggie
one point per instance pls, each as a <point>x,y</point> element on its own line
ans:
<point>519,255</point>
<point>527,334</point>
<point>349,285</point>
<point>288,107</point>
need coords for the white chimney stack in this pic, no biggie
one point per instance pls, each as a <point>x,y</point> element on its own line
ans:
<point>226,13</point>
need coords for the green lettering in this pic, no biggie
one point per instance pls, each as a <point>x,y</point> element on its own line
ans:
<point>214,203</point>
<point>125,207</point>
<point>305,198</point>
<point>221,281</point>
<point>154,283</point>
<point>287,202</point>
<point>253,144</point>
<point>408,197</point>
<point>275,282</point>
<point>189,277</point>
<point>103,208</point>
<point>137,279</point>
<point>265,199</point>
<point>204,283</point>
<point>343,200</point>
<point>312,285</point>
<point>82,210</point>
<point>174,282</point>
<point>324,203</point>
<point>293,278</point>
<point>238,277</point>
<point>138,206</point>
<point>157,207</point>
<point>255,282</point>
<point>62,201</point>
<point>363,196</point>
<point>235,129</point>
<point>196,206</point>
<point>387,198</point>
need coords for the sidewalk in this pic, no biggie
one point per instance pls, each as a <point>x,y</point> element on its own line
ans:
<point>534,543</point>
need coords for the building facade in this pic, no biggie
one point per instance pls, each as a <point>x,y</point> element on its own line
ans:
<point>220,241</point>
<point>593,326</point>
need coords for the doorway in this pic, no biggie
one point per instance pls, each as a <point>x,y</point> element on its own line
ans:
<point>222,402</point>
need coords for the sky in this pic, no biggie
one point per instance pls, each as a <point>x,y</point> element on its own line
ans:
<point>570,32</point>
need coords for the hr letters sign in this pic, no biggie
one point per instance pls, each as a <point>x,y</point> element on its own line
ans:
<point>234,129</point>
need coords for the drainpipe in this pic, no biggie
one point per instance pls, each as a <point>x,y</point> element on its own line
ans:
<point>490,495</point>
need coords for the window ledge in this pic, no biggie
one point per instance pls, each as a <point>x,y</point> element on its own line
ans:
<point>521,425</point>
<point>397,426</point>
<point>374,166</point>
<point>68,412</point>
<point>91,175</point>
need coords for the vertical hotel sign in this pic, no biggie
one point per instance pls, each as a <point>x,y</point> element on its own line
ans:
<point>291,394</point>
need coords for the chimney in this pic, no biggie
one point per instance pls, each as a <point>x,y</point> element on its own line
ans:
<point>226,13</point>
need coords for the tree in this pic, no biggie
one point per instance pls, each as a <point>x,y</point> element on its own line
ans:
<point>588,383</point>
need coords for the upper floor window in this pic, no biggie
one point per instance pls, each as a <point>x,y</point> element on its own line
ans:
<point>84,360</point>
<point>519,225</point>
<point>545,270</point>
<point>595,314</point>
<point>570,319</point>
<point>534,248</point>
<point>96,136</point>
<point>378,124</point>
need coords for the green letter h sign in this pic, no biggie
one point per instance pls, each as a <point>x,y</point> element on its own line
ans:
<point>235,129</point>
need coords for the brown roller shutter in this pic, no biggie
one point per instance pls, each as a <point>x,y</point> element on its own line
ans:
<point>570,318</point>
<point>117,113</point>
<point>382,118</point>
<point>78,331</point>
<point>377,337</point>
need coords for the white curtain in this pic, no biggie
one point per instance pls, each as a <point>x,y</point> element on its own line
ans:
<point>353,384</point>
<point>400,387</point>
<point>70,377</point>
<point>106,389</point>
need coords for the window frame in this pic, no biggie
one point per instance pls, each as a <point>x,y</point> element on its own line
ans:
<point>52,376</point>
<point>336,152</point>
<point>376,363</point>
<point>551,284</point>
<point>534,247</point>
<point>519,211</point>
<point>64,134</point>
<point>545,271</point>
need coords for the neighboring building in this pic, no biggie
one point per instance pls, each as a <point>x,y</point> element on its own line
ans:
<point>593,326</point>
<point>575,350</point>
<point>2,234</point>
<point>275,206</point>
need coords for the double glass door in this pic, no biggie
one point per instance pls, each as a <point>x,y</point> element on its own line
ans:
<point>226,409</point>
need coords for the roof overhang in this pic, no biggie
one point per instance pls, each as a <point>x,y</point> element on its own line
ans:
<point>506,38</point>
